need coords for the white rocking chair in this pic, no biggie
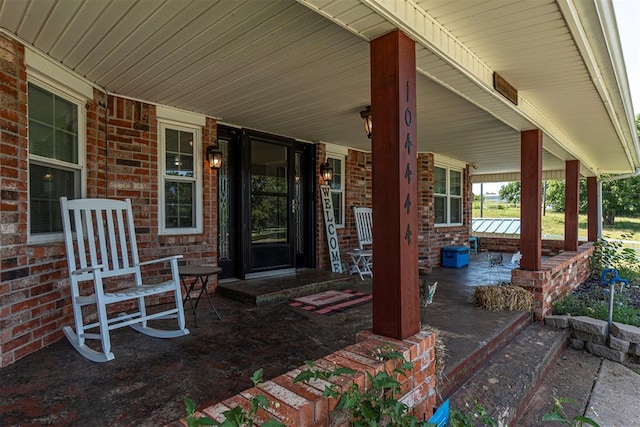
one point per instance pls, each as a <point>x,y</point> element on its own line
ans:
<point>101,244</point>
<point>363,258</point>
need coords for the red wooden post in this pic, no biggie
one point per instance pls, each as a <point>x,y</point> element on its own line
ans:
<point>531,199</point>
<point>396,312</point>
<point>571,204</point>
<point>592,208</point>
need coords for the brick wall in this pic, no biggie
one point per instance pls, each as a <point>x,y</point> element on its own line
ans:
<point>302,404</point>
<point>32,293</point>
<point>557,277</point>
<point>512,245</point>
<point>358,192</point>
<point>433,239</point>
<point>34,290</point>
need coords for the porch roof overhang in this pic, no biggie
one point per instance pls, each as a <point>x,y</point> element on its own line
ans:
<point>301,69</point>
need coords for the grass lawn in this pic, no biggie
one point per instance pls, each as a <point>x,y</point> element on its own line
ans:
<point>553,222</point>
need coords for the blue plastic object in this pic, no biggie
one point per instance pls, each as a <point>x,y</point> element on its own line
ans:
<point>441,416</point>
<point>455,256</point>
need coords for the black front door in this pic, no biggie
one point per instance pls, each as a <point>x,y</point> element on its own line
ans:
<point>268,203</point>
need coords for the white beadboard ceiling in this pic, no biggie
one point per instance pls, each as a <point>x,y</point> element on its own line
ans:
<point>301,69</point>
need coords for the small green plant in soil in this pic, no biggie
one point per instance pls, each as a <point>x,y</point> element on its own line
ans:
<point>376,406</point>
<point>235,417</point>
<point>559,415</point>
<point>478,415</point>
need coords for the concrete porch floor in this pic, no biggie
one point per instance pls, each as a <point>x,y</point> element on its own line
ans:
<point>149,378</point>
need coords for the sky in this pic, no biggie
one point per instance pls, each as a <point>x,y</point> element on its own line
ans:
<point>628,20</point>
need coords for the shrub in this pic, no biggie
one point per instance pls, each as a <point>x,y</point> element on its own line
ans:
<point>589,305</point>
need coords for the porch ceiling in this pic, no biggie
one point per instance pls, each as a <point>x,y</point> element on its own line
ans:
<point>283,67</point>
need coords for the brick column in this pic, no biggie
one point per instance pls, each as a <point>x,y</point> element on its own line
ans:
<point>395,200</point>
<point>531,205</point>
<point>592,208</point>
<point>571,203</point>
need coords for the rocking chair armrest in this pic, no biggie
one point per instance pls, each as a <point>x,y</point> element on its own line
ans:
<point>165,259</point>
<point>88,269</point>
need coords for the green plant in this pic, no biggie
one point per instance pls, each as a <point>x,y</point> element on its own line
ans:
<point>595,305</point>
<point>378,405</point>
<point>559,415</point>
<point>613,254</point>
<point>465,419</point>
<point>238,416</point>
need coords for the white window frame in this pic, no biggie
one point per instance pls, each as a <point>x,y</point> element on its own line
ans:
<point>164,124</point>
<point>340,154</point>
<point>35,77</point>
<point>448,196</point>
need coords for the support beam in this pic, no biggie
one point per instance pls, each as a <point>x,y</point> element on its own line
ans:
<point>571,204</point>
<point>396,312</point>
<point>531,199</point>
<point>592,209</point>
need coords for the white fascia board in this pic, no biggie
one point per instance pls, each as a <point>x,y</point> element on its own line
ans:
<point>55,74</point>
<point>575,25</point>
<point>183,116</point>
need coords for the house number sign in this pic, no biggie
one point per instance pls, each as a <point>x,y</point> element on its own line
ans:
<point>408,121</point>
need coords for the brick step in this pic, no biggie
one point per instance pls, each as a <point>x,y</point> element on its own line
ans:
<point>506,383</point>
<point>259,292</point>
<point>458,373</point>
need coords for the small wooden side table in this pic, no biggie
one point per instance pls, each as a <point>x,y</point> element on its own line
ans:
<point>200,274</point>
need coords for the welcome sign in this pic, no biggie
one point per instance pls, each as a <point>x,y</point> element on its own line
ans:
<point>330,227</point>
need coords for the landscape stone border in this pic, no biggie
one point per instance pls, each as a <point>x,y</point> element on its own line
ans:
<point>619,343</point>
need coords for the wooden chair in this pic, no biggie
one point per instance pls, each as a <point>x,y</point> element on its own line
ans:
<point>101,246</point>
<point>363,256</point>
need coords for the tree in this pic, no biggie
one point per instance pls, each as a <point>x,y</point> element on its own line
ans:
<point>510,192</point>
<point>556,192</point>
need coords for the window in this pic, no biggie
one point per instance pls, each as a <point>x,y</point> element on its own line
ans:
<point>337,188</point>
<point>55,160</point>
<point>181,181</point>
<point>447,196</point>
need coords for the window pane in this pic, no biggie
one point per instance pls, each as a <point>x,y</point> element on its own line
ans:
<point>336,198</point>
<point>456,211</point>
<point>66,115</point>
<point>171,140</point>
<point>336,182</point>
<point>455,183</point>
<point>179,212</point>
<point>40,105</point>
<point>269,215</point>
<point>53,126</point>
<point>440,180</point>
<point>179,153</point>
<point>66,147</point>
<point>40,139</point>
<point>46,186</point>
<point>440,210</point>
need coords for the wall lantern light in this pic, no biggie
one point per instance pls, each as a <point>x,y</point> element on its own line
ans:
<point>366,117</point>
<point>326,172</point>
<point>214,156</point>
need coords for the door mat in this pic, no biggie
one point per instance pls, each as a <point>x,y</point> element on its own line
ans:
<point>331,302</point>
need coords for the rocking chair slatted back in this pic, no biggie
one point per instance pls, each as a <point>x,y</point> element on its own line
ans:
<point>105,235</point>
<point>364,225</point>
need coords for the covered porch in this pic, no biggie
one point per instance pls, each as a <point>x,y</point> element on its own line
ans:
<point>149,93</point>
<point>148,380</point>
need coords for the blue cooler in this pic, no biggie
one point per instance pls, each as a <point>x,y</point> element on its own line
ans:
<point>455,256</point>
